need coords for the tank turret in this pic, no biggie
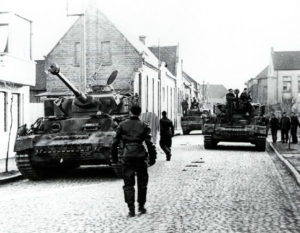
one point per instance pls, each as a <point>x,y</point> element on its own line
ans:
<point>82,101</point>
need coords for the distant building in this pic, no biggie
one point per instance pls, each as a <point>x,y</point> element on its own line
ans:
<point>191,86</point>
<point>278,85</point>
<point>17,73</point>
<point>258,87</point>
<point>211,94</point>
<point>284,81</point>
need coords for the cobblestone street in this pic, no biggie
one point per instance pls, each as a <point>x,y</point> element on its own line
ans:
<point>230,189</point>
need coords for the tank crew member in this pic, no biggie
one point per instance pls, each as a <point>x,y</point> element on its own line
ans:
<point>285,125</point>
<point>236,101</point>
<point>185,106</point>
<point>135,160</point>
<point>274,125</point>
<point>166,134</point>
<point>246,99</point>
<point>230,98</point>
<point>294,125</point>
<point>195,104</point>
<point>244,95</point>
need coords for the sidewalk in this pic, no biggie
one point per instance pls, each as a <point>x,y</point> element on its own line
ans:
<point>289,155</point>
<point>12,174</point>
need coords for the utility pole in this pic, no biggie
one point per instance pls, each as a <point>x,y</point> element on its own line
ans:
<point>83,46</point>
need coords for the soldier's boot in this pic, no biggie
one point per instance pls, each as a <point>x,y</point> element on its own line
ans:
<point>131,212</point>
<point>142,209</point>
<point>169,157</point>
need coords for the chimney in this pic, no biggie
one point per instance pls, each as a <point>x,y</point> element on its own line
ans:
<point>143,39</point>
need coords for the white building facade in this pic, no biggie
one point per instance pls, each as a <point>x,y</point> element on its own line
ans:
<point>17,73</point>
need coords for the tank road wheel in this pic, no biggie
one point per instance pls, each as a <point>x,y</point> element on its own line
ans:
<point>261,144</point>
<point>209,143</point>
<point>27,168</point>
<point>118,170</point>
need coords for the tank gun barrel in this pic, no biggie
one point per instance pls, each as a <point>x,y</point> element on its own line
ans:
<point>55,70</point>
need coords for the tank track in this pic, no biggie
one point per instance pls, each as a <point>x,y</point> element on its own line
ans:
<point>261,144</point>
<point>27,169</point>
<point>209,143</point>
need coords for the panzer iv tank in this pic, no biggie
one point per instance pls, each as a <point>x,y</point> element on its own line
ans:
<point>242,127</point>
<point>74,131</point>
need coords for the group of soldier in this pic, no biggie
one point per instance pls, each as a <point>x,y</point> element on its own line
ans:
<point>185,105</point>
<point>287,125</point>
<point>234,102</point>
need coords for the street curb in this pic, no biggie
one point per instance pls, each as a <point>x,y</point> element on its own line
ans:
<point>13,178</point>
<point>290,167</point>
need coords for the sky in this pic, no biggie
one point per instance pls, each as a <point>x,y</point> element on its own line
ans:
<point>221,41</point>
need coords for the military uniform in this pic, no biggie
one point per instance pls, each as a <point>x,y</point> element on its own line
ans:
<point>135,159</point>
<point>274,125</point>
<point>185,106</point>
<point>294,125</point>
<point>245,99</point>
<point>285,125</point>
<point>166,134</point>
<point>230,97</point>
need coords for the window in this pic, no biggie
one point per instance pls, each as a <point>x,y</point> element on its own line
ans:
<point>164,94</point>
<point>105,53</point>
<point>287,83</point>
<point>77,55</point>
<point>3,38</point>
<point>3,112</point>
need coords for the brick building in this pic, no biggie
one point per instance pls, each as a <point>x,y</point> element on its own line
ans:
<point>106,49</point>
<point>17,72</point>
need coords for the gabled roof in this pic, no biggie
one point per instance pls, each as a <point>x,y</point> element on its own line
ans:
<point>263,73</point>
<point>189,78</point>
<point>166,54</point>
<point>287,60</point>
<point>133,40</point>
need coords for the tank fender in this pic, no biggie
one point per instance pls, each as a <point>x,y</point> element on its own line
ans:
<point>24,143</point>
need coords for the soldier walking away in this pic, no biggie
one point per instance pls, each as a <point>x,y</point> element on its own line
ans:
<point>166,134</point>
<point>285,125</point>
<point>230,98</point>
<point>185,106</point>
<point>294,125</point>
<point>135,160</point>
<point>274,125</point>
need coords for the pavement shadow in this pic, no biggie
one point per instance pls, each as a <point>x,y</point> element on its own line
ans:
<point>236,147</point>
<point>103,173</point>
